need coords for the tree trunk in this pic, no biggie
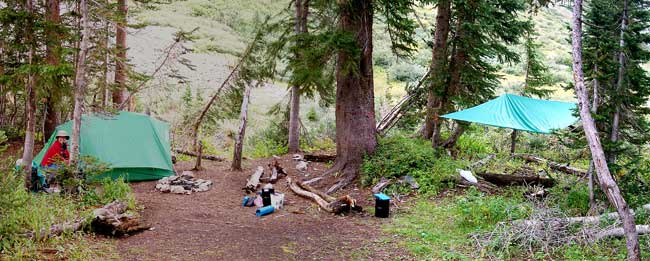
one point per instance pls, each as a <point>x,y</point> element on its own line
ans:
<point>233,74</point>
<point>79,83</point>
<point>294,120</point>
<point>239,141</point>
<point>455,135</point>
<point>456,66</point>
<point>120,60</point>
<point>104,84</point>
<point>302,11</point>
<point>607,183</point>
<point>52,56</point>
<point>513,141</point>
<point>438,62</point>
<point>619,84</point>
<point>594,109</point>
<point>3,99</point>
<point>355,98</point>
<point>30,100</point>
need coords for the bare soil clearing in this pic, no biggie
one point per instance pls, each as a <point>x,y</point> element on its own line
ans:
<point>213,225</point>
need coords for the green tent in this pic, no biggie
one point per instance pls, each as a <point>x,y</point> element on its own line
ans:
<point>520,113</point>
<point>135,145</point>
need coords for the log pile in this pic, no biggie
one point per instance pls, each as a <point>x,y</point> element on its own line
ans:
<point>183,184</point>
<point>328,203</point>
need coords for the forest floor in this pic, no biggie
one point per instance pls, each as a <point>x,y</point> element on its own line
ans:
<point>213,225</point>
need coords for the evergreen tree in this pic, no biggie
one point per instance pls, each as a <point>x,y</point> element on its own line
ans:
<point>626,89</point>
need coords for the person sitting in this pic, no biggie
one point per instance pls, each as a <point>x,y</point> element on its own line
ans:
<point>57,153</point>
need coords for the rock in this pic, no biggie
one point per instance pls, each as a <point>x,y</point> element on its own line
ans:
<point>199,181</point>
<point>172,178</point>
<point>164,180</point>
<point>301,166</point>
<point>187,174</point>
<point>297,157</point>
<point>208,183</point>
<point>202,188</point>
<point>411,181</point>
<point>164,188</point>
<point>177,189</point>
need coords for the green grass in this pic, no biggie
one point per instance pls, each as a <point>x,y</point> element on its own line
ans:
<point>443,229</point>
<point>22,212</point>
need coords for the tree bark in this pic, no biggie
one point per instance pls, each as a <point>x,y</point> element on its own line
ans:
<point>80,83</point>
<point>52,56</point>
<point>239,140</point>
<point>355,98</point>
<point>607,183</point>
<point>120,61</point>
<point>619,83</point>
<point>302,11</point>
<point>30,100</point>
<point>438,62</point>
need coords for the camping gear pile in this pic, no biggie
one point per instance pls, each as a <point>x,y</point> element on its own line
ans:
<point>185,184</point>
<point>267,200</point>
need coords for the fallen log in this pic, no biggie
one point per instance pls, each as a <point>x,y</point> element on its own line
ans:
<point>304,186</point>
<point>111,220</point>
<point>319,157</point>
<point>509,180</point>
<point>314,180</point>
<point>383,183</point>
<point>192,154</point>
<point>108,220</point>
<point>619,232</point>
<point>254,181</point>
<point>336,206</point>
<point>553,165</point>
<point>481,162</point>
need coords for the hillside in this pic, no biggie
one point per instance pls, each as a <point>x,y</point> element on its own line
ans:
<point>222,28</point>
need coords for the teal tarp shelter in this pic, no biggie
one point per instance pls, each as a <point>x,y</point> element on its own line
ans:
<point>135,145</point>
<point>520,113</point>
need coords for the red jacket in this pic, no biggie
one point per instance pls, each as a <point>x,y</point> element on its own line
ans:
<point>55,154</point>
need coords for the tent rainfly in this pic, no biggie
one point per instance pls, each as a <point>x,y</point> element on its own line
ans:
<point>135,145</point>
<point>520,113</point>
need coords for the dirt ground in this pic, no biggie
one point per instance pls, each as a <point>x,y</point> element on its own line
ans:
<point>213,225</point>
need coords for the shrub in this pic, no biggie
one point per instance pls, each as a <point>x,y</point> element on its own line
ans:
<point>398,156</point>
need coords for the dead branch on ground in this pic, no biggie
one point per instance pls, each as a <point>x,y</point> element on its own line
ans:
<point>326,202</point>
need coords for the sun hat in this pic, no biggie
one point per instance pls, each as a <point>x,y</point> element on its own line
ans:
<point>62,133</point>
